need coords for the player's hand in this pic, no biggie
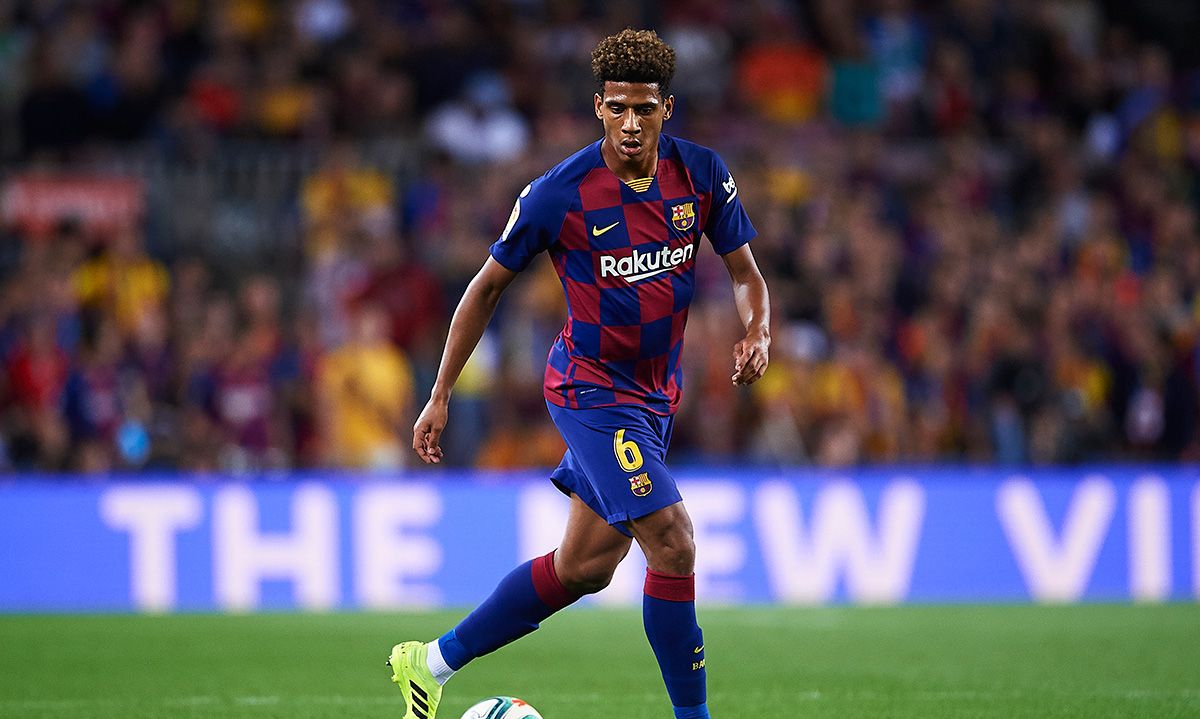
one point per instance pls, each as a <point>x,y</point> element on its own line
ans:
<point>428,431</point>
<point>750,358</point>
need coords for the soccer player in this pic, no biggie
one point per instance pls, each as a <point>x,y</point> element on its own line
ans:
<point>622,221</point>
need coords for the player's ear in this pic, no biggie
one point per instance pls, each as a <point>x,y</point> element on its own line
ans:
<point>668,107</point>
<point>599,103</point>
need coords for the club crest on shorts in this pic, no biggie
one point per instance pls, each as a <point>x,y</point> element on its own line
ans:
<point>641,484</point>
<point>683,216</point>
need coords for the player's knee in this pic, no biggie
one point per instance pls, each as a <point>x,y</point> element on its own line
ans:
<point>589,576</point>
<point>666,538</point>
<point>675,552</point>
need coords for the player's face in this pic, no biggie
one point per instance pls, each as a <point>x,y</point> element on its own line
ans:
<point>633,114</point>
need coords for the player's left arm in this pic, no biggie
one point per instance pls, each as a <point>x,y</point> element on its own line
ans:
<point>751,354</point>
<point>729,229</point>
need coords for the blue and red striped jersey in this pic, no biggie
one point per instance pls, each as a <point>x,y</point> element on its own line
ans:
<point>626,255</point>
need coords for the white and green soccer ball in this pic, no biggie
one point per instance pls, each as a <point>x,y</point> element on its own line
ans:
<point>502,708</point>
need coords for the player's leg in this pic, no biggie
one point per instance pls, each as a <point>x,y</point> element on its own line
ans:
<point>669,607</point>
<point>590,551</point>
<point>584,563</point>
<point>621,453</point>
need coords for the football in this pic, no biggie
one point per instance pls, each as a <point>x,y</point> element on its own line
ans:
<point>502,708</point>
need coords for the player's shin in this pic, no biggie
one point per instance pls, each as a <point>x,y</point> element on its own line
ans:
<point>669,613</point>
<point>523,599</point>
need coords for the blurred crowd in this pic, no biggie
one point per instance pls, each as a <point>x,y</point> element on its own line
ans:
<point>978,220</point>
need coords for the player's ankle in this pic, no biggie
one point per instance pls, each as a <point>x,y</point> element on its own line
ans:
<point>436,663</point>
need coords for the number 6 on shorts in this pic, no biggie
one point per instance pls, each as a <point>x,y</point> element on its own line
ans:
<point>629,456</point>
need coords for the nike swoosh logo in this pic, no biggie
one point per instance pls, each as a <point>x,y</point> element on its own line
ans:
<point>596,231</point>
<point>698,649</point>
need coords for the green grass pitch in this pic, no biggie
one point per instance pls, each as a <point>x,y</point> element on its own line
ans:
<point>920,662</point>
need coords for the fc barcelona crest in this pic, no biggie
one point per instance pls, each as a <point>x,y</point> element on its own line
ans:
<point>683,216</point>
<point>640,485</point>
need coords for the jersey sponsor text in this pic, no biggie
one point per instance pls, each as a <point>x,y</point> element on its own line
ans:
<point>641,265</point>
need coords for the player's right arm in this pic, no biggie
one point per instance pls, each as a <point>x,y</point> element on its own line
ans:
<point>536,218</point>
<point>470,318</point>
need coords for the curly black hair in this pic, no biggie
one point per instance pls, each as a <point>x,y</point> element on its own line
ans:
<point>634,56</point>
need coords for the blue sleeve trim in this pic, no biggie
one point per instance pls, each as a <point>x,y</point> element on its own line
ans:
<point>737,244</point>
<point>508,264</point>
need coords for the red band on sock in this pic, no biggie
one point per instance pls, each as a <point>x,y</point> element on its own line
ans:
<point>545,582</point>
<point>670,587</point>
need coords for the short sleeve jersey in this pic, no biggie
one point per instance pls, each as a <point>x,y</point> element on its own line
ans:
<point>625,253</point>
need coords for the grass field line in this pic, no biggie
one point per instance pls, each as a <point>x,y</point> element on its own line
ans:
<point>961,694</point>
<point>273,701</point>
<point>195,701</point>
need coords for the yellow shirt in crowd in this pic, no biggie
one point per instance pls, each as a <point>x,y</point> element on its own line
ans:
<point>366,391</point>
<point>123,290</point>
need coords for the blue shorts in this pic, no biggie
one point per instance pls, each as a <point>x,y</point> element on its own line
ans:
<point>616,461</point>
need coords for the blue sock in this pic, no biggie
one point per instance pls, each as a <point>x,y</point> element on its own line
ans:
<point>669,613</point>
<point>516,607</point>
<point>697,712</point>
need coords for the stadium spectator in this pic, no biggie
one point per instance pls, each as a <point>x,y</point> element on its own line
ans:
<point>480,127</point>
<point>978,220</point>
<point>365,392</point>
<point>407,291</point>
<point>37,372</point>
<point>781,77</point>
<point>92,398</point>
<point>121,280</point>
